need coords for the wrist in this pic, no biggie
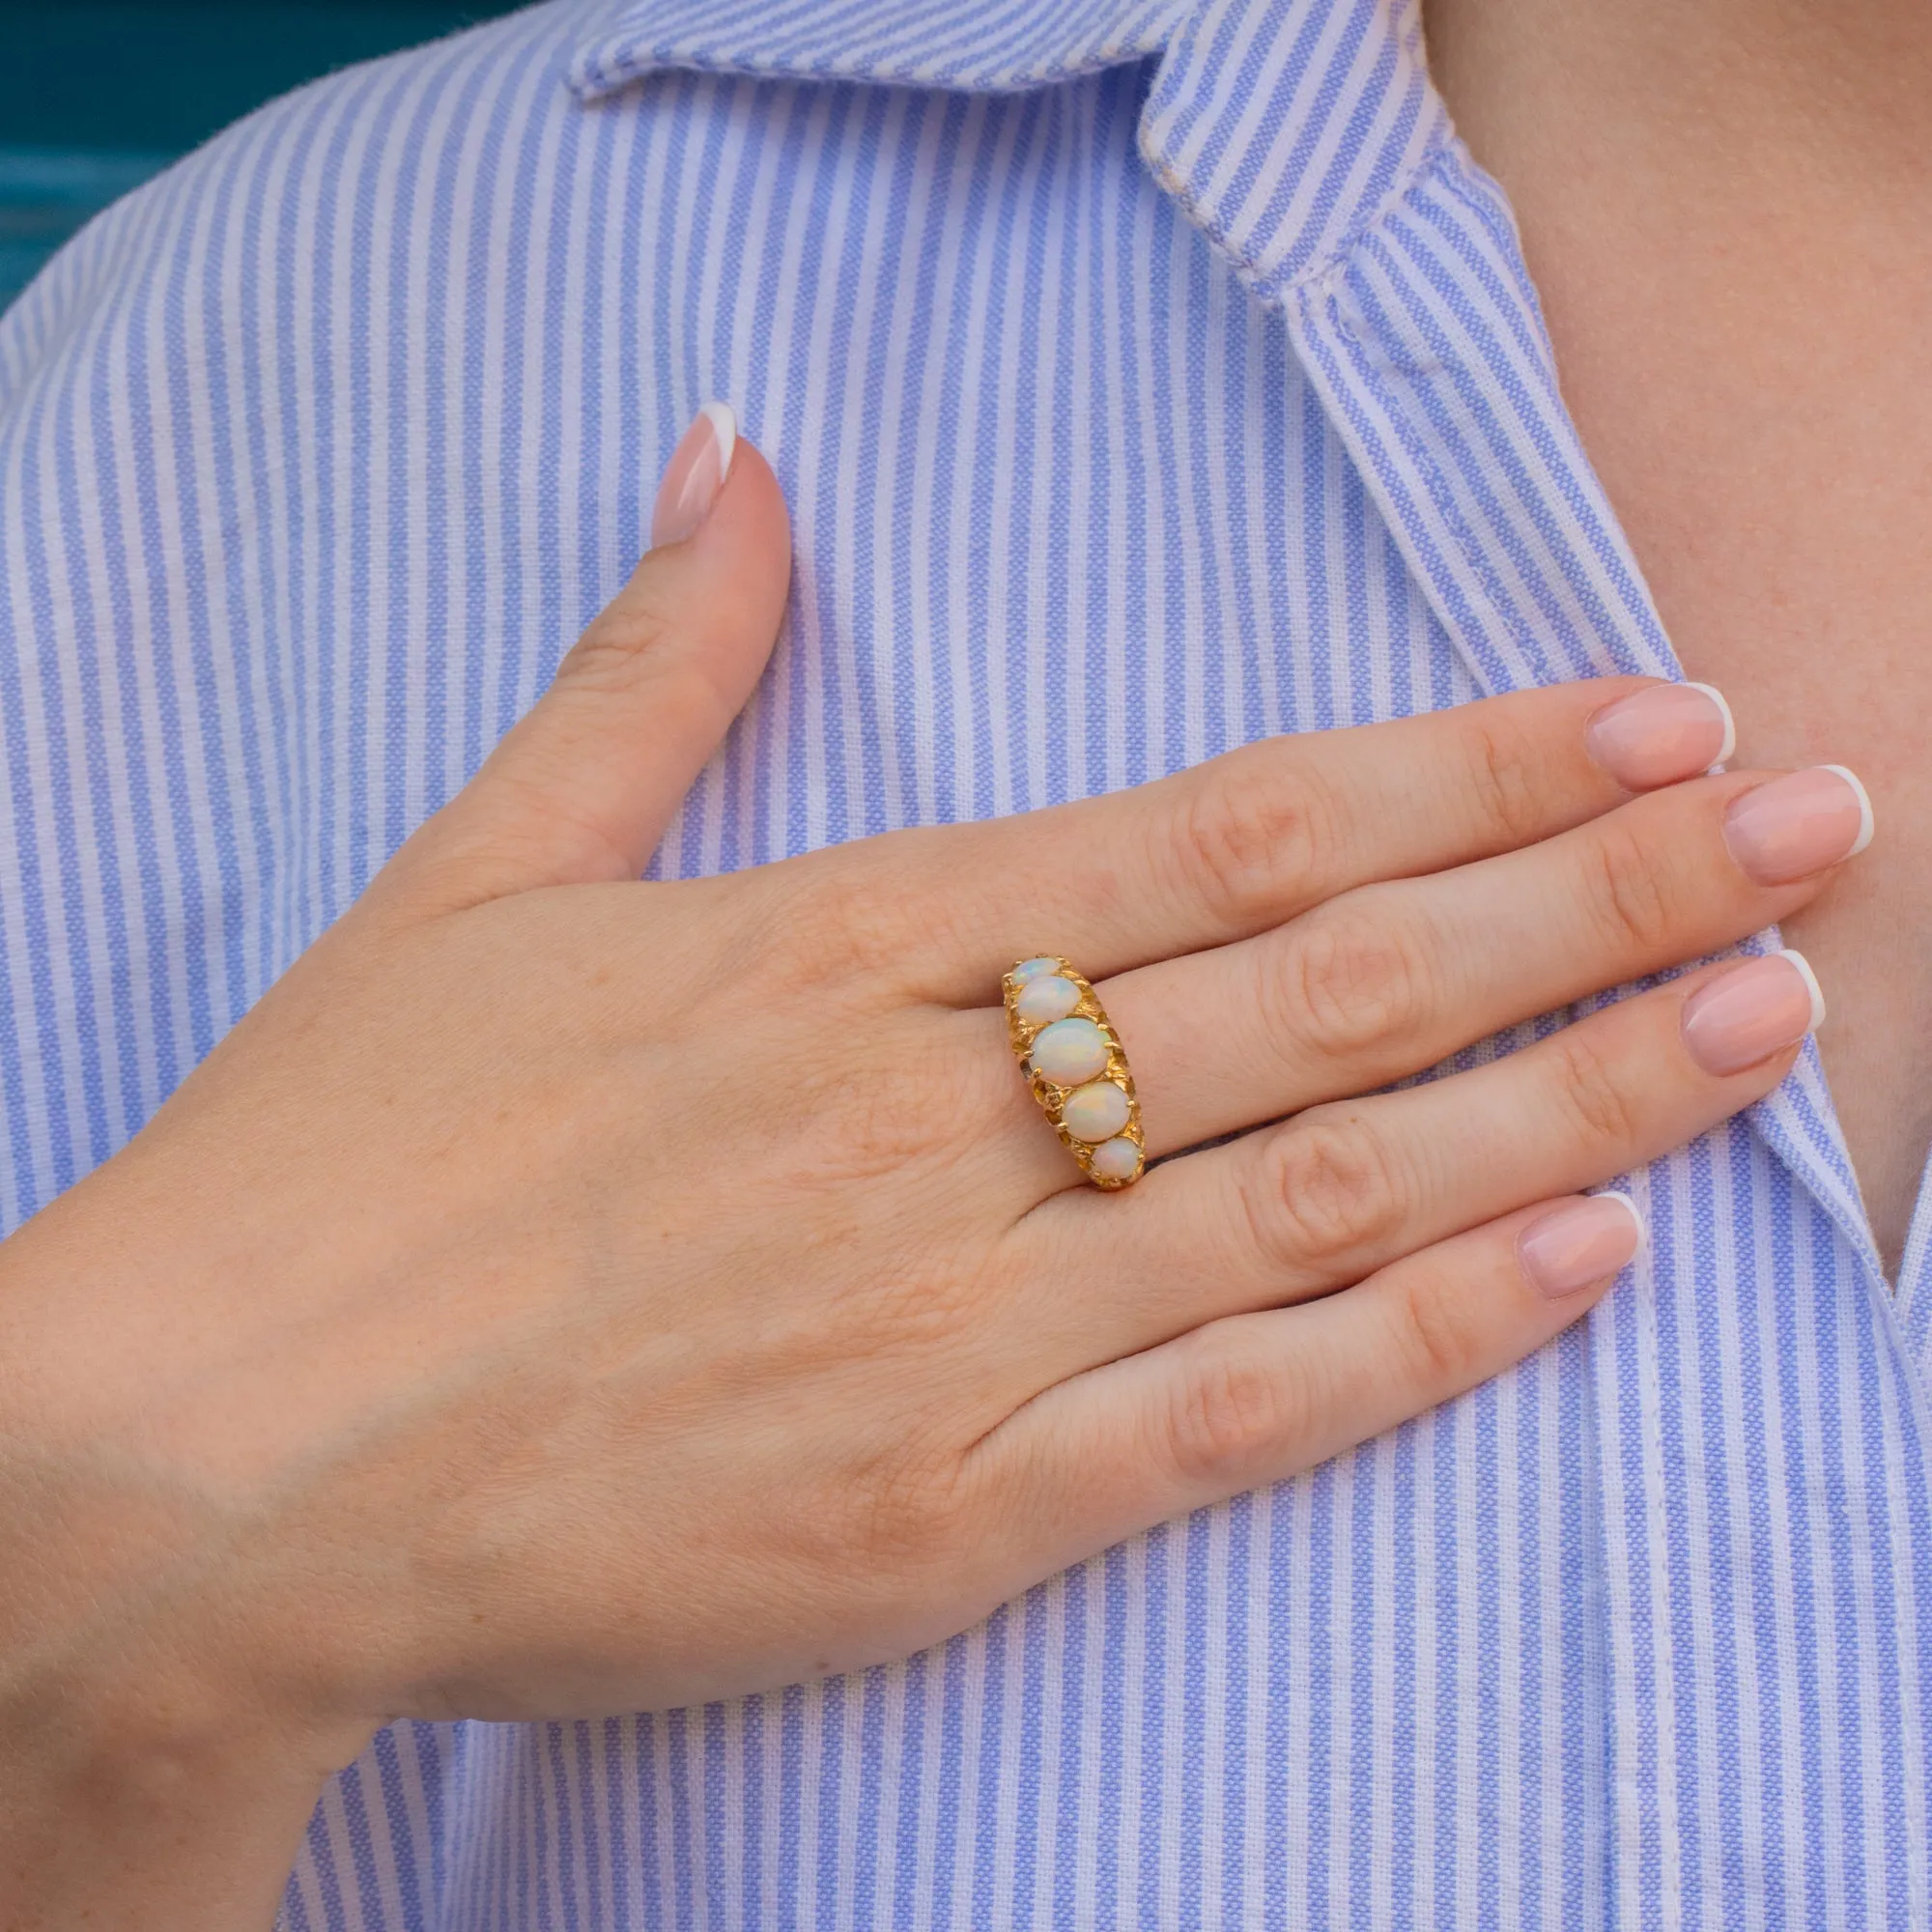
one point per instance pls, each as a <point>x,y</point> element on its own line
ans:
<point>134,1805</point>
<point>164,1735</point>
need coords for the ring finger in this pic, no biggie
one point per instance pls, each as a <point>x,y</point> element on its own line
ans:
<point>1326,1199</point>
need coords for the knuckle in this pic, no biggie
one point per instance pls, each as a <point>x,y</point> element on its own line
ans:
<point>830,922</point>
<point>1602,1099</point>
<point>870,910</point>
<point>1628,892</point>
<point>1324,1192</point>
<point>851,1125</point>
<point>1230,1408</point>
<point>1436,1334</point>
<point>1502,773</point>
<point>1352,979</point>
<point>1248,840</point>
<point>925,1317</point>
<point>606,658</point>
<point>868,1134</point>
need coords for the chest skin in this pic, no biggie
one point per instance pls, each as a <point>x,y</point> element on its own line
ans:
<point>1744,333</point>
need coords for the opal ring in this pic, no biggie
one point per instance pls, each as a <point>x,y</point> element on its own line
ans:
<point>1073,1063</point>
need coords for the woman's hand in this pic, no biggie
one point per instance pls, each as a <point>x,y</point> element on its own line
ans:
<point>563,1294</point>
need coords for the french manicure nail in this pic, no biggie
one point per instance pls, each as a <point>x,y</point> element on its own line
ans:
<point>1580,1243</point>
<point>694,474</point>
<point>1657,736</point>
<point>1753,1012</point>
<point>1789,828</point>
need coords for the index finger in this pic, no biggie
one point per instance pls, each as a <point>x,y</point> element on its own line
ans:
<point>1239,845</point>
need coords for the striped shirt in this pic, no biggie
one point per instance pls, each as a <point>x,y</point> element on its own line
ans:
<point>1145,378</point>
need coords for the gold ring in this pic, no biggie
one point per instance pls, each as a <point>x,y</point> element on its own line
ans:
<point>1073,1062</point>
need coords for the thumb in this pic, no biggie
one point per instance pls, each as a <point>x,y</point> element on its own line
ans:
<point>581,788</point>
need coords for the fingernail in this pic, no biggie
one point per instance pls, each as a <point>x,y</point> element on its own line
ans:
<point>1753,1010</point>
<point>1580,1243</point>
<point>694,474</point>
<point>1668,732</point>
<point>1791,827</point>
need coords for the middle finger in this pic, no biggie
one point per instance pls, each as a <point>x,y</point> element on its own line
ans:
<point>1390,979</point>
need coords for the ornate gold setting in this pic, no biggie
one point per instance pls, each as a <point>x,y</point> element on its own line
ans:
<point>1053,1098</point>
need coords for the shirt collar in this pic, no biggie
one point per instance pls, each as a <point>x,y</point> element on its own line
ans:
<point>1282,126</point>
<point>992,46</point>
<point>1285,128</point>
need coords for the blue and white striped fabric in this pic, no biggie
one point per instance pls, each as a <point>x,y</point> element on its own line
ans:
<point>1145,380</point>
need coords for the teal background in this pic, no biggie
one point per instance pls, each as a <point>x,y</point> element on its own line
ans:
<point>97,95</point>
